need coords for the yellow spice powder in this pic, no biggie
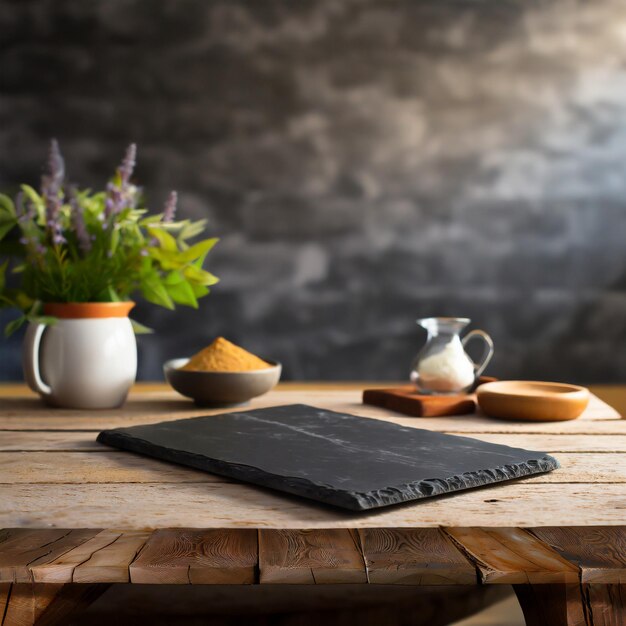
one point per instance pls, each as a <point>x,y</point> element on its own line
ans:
<point>224,356</point>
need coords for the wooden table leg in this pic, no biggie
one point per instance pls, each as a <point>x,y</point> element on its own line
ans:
<point>27,604</point>
<point>551,604</point>
<point>605,604</point>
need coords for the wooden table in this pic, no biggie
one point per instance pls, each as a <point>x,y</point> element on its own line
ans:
<point>77,512</point>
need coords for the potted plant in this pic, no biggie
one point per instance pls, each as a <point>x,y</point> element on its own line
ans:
<point>73,260</point>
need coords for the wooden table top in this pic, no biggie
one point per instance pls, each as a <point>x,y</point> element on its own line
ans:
<point>54,475</point>
<point>73,511</point>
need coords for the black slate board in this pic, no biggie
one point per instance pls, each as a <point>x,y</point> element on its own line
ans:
<point>352,462</point>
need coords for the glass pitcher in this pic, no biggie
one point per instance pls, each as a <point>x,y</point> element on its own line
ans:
<point>442,366</point>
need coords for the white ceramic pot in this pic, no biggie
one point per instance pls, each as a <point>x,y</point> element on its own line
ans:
<point>86,360</point>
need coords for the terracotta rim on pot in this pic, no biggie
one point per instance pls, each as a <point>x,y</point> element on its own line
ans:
<point>87,310</point>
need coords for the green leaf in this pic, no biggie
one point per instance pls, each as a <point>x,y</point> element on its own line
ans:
<point>115,240</point>
<point>167,260</point>
<point>182,293</point>
<point>14,325</point>
<point>173,278</point>
<point>6,204</point>
<point>200,290</point>
<point>112,294</point>
<point>7,215</point>
<point>25,302</point>
<point>197,250</point>
<point>199,276</point>
<point>140,329</point>
<point>154,291</point>
<point>37,201</point>
<point>191,229</point>
<point>166,240</point>
<point>48,320</point>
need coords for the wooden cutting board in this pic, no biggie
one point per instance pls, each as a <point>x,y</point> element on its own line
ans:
<point>407,401</point>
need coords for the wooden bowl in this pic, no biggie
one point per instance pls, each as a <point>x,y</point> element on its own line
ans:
<point>532,401</point>
<point>221,388</point>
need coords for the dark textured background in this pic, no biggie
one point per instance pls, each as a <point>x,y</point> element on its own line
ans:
<point>364,162</point>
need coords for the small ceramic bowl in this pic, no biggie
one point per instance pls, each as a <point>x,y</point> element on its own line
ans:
<point>221,388</point>
<point>532,401</point>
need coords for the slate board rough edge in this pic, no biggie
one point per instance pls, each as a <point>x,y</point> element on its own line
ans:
<point>355,501</point>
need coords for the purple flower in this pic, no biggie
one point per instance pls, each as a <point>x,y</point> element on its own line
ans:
<point>170,207</point>
<point>51,184</point>
<point>52,181</point>
<point>128,164</point>
<point>122,195</point>
<point>78,219</point>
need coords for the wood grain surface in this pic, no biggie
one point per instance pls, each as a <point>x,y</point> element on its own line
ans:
<point>54,477</point>
<point>600,554</point>
<point>310,557</point>
<point>217,556</point>
<point>25,549</point>
<point>606,604</point>
<point>222,505</point>
<point>53,474</point>
<point>599,551</point>
<point>512,555</point>
<point>61,569</point>
<point>110,563</point>
<point>28,413</point>
<point>418,556</point>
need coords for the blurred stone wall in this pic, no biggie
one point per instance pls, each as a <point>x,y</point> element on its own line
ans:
<point>365,163</point>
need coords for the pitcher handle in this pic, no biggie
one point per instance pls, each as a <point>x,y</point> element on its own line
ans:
<point>30,359</point>
<point>487,351</point>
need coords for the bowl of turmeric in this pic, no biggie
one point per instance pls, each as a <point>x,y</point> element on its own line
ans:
<point>222,374</point>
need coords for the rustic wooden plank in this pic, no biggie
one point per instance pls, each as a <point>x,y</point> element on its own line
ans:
<point>69,441</point>
<point>110,564</point>
<point>599,551</point>
<point>28,548</point>
<point>61,569</point>
<point>310,557</point>
<point>556,444</point>
<point>186,556</point>
<point>511,555</point>
<point>57,441</point>
<point>586,467</point>
<point>606,604</point>
<point>414,556</point>
<point>207,505</point>
<point>30,414</point>
<point>87,467</point>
